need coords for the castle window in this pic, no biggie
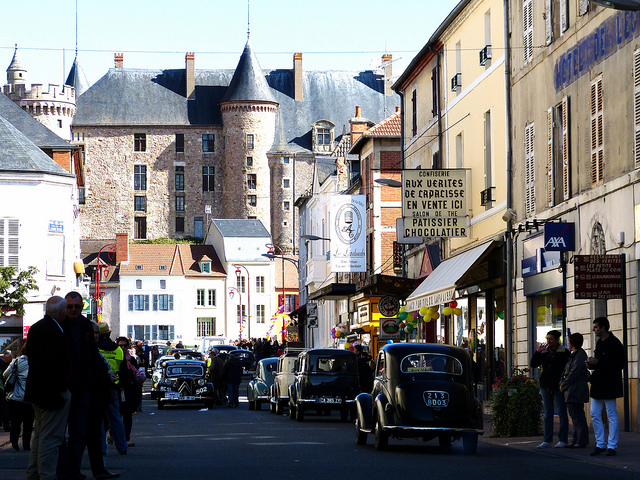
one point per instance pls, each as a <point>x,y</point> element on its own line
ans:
<point>140,228</point>
<point>324,136</point>
<point>81,197</point>
<point>208,179</point>
<point>179,204</point>
<point>179,224</point>
<point>179,142</point>
<point>179,178</point>
<point>249,161</point>
<point>140,203</point>
<point>286,183</point>
<point>249,141</point>
<point>139,177</point>
<point>252,200</point>
<point>251,181</point>
<point>59,123</point>
<point>140,142</point>
<point>285,160</point>
<point>287,206</point>
<point>208,142</point>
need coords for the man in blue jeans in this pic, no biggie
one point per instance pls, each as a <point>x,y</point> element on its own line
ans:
<point>552,356</point>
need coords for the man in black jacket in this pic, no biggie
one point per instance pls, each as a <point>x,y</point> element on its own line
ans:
<point>552,357</point>
<point>606,385</point>
<point>48,388</point>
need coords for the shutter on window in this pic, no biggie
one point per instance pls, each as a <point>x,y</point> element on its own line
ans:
<point>170,302</point>
<point>566,191</point>
<point>147,332</point>
<point>155,302</point>
<point>550,157</point>
<point>130,331</point>
<point>154,332</point>
<point>171,332</point>
<point>130,303</point>
<point>530,201</point>
<point>597,132</point>
<point>548,21</point>
<point>564,16</point>
<point>527,21</point>
<point>584,7</point>
<point>146,302</point>
<point>636,106</point>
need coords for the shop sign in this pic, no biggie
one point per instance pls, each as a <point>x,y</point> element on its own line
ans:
<point>389,306</point>
<point>363,313</point>
<point>559,237</point>
<point>389,329</point>
<point>598,276</point>
<point>348,233</point>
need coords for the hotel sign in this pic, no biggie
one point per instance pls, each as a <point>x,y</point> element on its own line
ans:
<point>599,276</point>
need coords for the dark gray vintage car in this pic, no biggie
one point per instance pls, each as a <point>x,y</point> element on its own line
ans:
<point>421,391</point>
<point>326,379</point>
<point>259,386</point>
<point>182,382</point>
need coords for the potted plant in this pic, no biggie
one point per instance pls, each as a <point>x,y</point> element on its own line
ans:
<point>516,405</point>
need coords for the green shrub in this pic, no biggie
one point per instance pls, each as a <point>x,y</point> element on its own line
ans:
<point>516,405</point>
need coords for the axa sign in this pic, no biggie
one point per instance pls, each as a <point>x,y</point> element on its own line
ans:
<point>559,237</point>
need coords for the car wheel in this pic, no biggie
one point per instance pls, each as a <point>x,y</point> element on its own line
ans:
<point>445,443</point>
<point>470,443</point>
<point>278,407</point>
<point>160,405</point>
<point>209,404</point>
<point>361,437</point>
<point>258,405</point>
<point>252,405</point>
<point>299,414</point>
<point>344,414</point>
<point>382,438</point>
<point>292,411</point>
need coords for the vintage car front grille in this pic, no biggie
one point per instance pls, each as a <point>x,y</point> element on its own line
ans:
<point>184,386</point>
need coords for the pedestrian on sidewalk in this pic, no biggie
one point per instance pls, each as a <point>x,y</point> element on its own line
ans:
<point>21,414</point>
<point>552,356</point>
<point>606,385</point>
<point>575,388</point>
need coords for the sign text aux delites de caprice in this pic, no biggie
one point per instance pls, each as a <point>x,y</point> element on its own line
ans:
<point>434,202</point>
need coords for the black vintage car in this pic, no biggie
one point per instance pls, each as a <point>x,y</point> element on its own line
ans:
<point>182,382</point>
<point>244,358</point>
<point>421,391</point>
<point>326,379</point>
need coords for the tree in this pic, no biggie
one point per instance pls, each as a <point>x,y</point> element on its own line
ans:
<point>14,288</point>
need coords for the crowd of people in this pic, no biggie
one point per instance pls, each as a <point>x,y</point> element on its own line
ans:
<point>69,387</point>
<point>564,387</point>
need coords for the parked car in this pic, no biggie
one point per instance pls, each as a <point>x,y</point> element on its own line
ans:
<point>182,381</point>
<point>424,391</point>
<point>326,379</point>
<point>186,353</point>
<point>283,377</point>
<point>244,358</point>
<point>157,374</point>
<point>259,386</point>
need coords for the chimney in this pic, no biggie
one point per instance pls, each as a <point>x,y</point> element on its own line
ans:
<point>397,108</point>
<point>122,248</point>
<point>388,69</point>
<point>119,60</point>
<point>190,59</point>
<point>297,77</point>
<point>358,125</point>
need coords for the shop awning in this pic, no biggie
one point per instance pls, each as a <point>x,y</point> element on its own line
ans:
<point>335,291</point>
<point>440,285</point>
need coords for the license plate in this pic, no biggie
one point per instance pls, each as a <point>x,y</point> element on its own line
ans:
<point>436,399</point>
<point>187,397</point>
<point>329,400</point>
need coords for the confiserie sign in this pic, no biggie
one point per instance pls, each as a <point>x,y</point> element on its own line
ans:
<point>598,276</point>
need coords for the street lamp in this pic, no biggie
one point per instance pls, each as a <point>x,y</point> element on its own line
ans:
<point>238,266</point>
<point>233,290</point>
<point>271,255</point>
<point>389,182</point>
<point>314,237</point>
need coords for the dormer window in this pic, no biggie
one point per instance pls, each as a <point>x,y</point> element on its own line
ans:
<point>205,265</point>
<point>323,136</point>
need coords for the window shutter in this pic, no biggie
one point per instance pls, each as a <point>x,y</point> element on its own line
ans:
<point>636,106</point>
<point>130,331</point>
<point>564,16</point>
<point>584,7</point>
<point>130,303</point>
<point>155,302</point>
<point>171,332</point>
<point>170,302</point>
<point>597,132</point>
<point>566,190</point>
<point>527,21</point>
<point>548,21</point>
<point>146,302</point>
<point>550,157</point>
<point>530,201</point>
<point>147,332</point>
<point>154,332</point>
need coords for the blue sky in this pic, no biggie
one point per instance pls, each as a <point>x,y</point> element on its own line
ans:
<point>331,34</point>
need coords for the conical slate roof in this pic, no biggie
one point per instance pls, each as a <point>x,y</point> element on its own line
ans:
<point>16,62</point>
<point>248,82</point>
<point>77,78</point>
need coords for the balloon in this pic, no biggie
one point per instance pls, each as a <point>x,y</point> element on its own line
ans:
<point>401,309</point>
<point>351,349</point>
<point>542,310</point>
<point>423,311</point>
<point>540,318</point>
<point>338,334</point>
<point>435,315</point>
<point>453,304</point>
<point>427,319</point>
<point>409,328</point>
<point>501,315</point>
<point>457,311</point>
<point>556,312</point>
<point>410,317</point>
<point>333,330</point>
<point>347,345</point>
<point>402,315</point>
<point>559,303</point>
<point>446,311</point>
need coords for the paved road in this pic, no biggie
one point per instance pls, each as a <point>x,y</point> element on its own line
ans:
<point>235,443</point>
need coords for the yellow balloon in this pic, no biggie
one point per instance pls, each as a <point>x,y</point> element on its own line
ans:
<point>435,315</point>
<point>423,311</point>
<point>347,345</point>
<point>540,318</point>
<point>542,310</point>
<point>410,317</point>
<point>457,311</point>
<point>402,309</point>
<point>446,311</point>
<point>427,319</point>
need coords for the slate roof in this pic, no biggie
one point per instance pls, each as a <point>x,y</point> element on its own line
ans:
<point>138,97</point>
<point>325,168</point>
<point>77,79</point>
<point>241,228</point>
<point>177,259</point>
<point>388,128</point>
<point>19,154</point>
<point>248,82</point>
<point>30,127</point>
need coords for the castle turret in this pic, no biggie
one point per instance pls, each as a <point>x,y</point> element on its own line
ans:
<point>77,78</point>
<point>16,73</point>
<point>248,115</point>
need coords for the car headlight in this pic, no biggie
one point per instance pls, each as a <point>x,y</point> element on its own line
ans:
<point>201,382</point>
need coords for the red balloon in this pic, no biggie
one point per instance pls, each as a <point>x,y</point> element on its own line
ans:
<point>558,303</point>
<point>453,304</point>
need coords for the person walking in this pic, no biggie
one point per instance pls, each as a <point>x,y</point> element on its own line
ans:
<point>606,385</point>
<point>215,376</point>
<point>232,376</point>
<point>21,414</point>
<point>132,390</point>
<point>576,390</point>
<point>552,357</point>
<point>48,388</point>
<point>5,361</point>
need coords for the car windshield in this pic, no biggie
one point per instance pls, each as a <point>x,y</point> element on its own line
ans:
<point>289,365</point>
<point>270,367</point>
<point>176,370</point>
<point>430,362</point>
<point>332,364</point>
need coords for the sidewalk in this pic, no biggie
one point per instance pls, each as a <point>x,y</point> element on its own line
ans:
<point>627,457</point>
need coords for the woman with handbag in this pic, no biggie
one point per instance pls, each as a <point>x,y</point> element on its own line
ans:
<point>20,413</point>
